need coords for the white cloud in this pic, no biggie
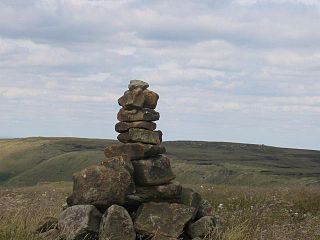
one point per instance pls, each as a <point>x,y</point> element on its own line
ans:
<point>209,60</point>
<point>26,53</point>
<point>19,92</point>
<point>305,2</point>
<point>216,84</point>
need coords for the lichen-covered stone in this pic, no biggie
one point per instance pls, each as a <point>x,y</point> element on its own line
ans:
<point>144,114</point>
<point>118,163</point>
<point>201,227</point>
<point>125,126</point>
<point>166,219</point>
<point>101,186</point>
<point>79,222</point>
<point>141,135</point>
<point>153,171</point>
<point>169,193</point>
<point>134,151</point>
<point>116,224</point>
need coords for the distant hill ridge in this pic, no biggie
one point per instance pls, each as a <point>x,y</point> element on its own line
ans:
<point>28,161</point>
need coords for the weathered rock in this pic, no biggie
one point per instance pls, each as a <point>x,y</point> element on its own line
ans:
<point>52,234</point>
<point>144,114</point>
<point>116,224</point>
<point>125,126</point>
<point>47,224</point>
<point>101,186</point>
<point>138,98</point>
<point>161,237</point>
<point>205,209</point>
<point>137,84</point>
<point>134,150</point>
<point>69,201</point>
<point>141,135</point>
<point>118,163</point>
<point>132,99</point>
<point>64,206</point>
<point>150,99</point>
<point>166,219</point>
<point>79,222</point>
<point>169,192</point>
<point>201,227</point>
<point>153,171</point>
<point>190,198</point>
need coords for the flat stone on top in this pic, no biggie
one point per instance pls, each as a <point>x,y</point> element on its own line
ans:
<point>137,84</point>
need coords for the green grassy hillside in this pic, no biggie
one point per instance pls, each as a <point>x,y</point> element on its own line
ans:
<point>32,160</point>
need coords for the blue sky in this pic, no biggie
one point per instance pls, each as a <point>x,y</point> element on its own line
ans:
<point>241,70</point>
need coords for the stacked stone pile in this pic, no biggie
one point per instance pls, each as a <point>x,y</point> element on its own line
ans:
<point>132,194</point>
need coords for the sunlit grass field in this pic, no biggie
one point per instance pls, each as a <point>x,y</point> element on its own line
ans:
<point>245,213</point>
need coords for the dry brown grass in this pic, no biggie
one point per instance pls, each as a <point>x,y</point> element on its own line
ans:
<point>22,208</point>
<point>246,213</point>
<point>265,213</point>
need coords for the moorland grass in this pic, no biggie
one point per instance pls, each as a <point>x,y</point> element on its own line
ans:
<point>28,161</point>
<point>245,213</point>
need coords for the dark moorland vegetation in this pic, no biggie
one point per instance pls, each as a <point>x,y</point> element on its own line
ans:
<point>32,160</point>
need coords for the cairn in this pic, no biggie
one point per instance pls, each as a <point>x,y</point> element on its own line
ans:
<point>132,194</point>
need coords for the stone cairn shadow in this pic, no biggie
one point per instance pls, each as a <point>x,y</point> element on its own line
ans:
<point>132,193</point>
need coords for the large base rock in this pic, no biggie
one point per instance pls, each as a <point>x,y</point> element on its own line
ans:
<point>162,219</point>
<point>134,151</point>
<point>153,171</point>
<point>169,192</point>
<point>125,126</point>
<point>116,224</point>
<point>101,186</point>
<point>145,114</point>
<point>141,136</point>
<point>79,222</point>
